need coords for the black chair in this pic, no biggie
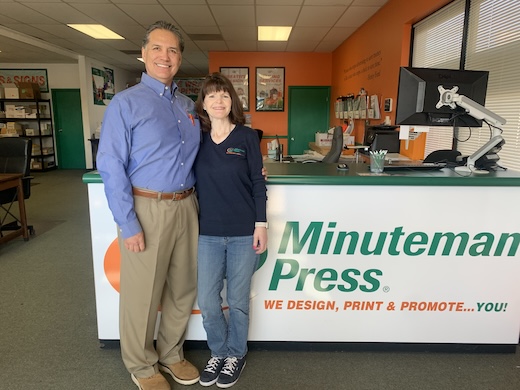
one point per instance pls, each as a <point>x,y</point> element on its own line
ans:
<point>260,133</point>
<point>15,157</point>
<point>335,149</point>
<point>443,155</point>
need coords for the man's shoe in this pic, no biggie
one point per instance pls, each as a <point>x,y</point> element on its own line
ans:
<point>155,382</point>
<point>182,372</point>
<point>230,372</point>
<point>211,372</point>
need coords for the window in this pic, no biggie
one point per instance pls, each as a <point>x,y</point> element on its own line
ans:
<point>493,44</point>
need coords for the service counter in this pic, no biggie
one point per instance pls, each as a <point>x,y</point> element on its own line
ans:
<point>408,257</point>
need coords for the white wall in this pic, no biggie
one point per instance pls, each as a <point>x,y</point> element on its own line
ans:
<point>79,76</point>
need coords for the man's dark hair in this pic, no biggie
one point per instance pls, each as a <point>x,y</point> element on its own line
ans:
<point>163,25</point>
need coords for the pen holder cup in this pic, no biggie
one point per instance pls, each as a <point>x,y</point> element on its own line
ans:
<point>377,162</point>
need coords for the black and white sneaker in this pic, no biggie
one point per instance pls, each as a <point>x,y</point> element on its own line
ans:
<point>211,372</point>
<point>230,372</point>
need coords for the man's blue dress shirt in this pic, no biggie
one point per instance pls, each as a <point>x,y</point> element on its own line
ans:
<point>150,137</point>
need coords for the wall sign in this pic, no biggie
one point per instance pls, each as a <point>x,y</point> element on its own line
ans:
<point>38,76</point>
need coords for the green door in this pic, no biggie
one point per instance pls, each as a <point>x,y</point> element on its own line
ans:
<point>309,112</point>
<point>68,125</point>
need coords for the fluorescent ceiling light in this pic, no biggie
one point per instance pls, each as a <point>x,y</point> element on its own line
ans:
<point>96,31</point>
<point>274,33</point>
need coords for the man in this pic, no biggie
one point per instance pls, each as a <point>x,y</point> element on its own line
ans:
<point>149,140</point>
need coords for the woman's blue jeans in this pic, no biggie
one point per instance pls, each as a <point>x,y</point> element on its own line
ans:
<point>232,259</point>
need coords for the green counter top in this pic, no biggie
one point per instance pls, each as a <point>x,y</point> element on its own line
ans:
<point>359,174</point>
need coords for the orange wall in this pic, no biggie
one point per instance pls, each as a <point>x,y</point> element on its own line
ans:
<point>301,69</point>
<point>370,58</point>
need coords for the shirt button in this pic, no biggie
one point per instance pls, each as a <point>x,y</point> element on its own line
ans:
<point>182,164</point>
<point>182,142</point>
<point>178,121</point>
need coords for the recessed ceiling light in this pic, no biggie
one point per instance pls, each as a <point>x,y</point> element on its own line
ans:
<point>96,31</point>
<point>274,33</point>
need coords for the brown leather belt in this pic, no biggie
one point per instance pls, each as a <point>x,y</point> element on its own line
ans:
<point>163,195</point>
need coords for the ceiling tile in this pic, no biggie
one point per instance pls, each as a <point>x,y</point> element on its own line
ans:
<point>239,15</point>
<point>276,15</point>
<point>356,16</point>
<point>191,15</point>
<point>312,16</point>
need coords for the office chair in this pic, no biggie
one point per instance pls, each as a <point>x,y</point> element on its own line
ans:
<point>443,155</point>
<point>260,133</point>
<point>15,157</point>
<point>335,149</point>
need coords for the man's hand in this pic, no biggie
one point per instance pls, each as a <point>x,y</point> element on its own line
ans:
<point>135,243</point>
<point>264,173</point>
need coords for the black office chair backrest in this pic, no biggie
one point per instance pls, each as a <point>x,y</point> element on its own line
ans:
<point>443,155</point>
<point>15,157</point>
<point>260,133</point>
<point>336,148</point>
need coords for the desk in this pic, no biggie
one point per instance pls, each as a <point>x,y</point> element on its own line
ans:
<point>410,257</point>
<point>325,149</point>
<point>14,180</point>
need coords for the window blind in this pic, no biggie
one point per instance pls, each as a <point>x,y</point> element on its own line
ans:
<point>493,44</point>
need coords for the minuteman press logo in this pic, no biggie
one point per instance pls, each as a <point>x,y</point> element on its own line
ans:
<point>324,239</point>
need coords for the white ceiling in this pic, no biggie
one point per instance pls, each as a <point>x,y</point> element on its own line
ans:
<point>36,31</point>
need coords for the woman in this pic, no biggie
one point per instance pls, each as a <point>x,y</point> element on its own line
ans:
<point>233,227</point>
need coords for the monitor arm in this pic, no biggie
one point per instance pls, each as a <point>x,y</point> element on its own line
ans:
<point>450,97</point>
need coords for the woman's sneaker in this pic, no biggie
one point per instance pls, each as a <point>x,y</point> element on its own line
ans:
<point>210,374</point>
<point>230,372</point>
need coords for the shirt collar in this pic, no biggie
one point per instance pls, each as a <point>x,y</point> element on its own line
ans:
<point>158,87</point>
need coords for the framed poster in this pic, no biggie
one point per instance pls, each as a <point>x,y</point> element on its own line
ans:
<point>103,86</point>
<point>270,89</point>
<point>38,76</point>
<point>239,77</point>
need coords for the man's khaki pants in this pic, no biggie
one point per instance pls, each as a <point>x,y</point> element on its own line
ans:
<point>162,277</point>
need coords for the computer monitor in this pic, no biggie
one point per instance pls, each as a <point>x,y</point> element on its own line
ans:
<point>418,95</point>
<point>382,139</point>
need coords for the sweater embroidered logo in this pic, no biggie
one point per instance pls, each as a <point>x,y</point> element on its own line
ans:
<point>237,151</point>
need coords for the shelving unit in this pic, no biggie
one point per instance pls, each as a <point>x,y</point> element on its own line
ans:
<point>35,119</point>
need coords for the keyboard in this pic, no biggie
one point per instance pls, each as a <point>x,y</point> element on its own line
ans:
<point>419,166</point>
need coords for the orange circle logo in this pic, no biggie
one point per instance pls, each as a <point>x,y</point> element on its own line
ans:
<point>112,264</point>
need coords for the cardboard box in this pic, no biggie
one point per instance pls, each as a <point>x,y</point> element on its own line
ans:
<point>2,92</point>
<point>11,91</point>
<point>29,132</point>
<point>48,150</point>
<point>36,165</point>
<point>29,90</point>
<point>323,139</point>
<point>14,111</point>
<point>14,126</point>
